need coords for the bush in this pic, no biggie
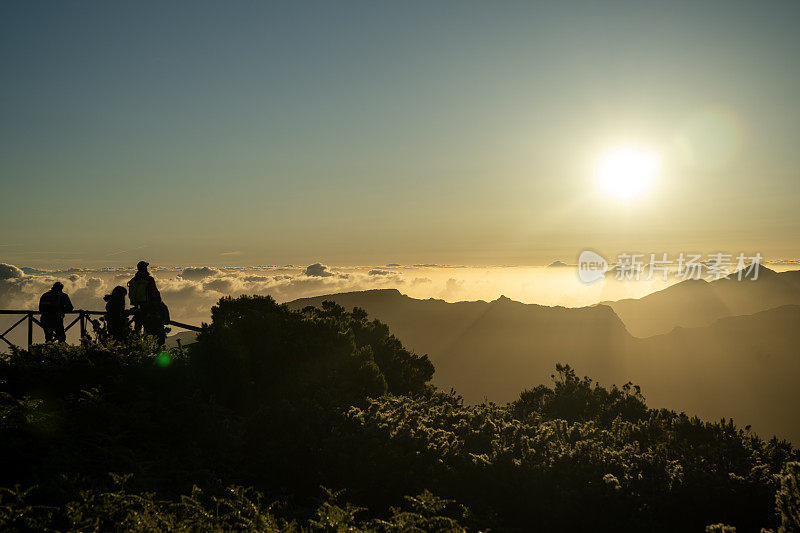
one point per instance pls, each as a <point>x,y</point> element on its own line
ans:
<point>787,500</point>
<point>256,350</point>
<point>286,402</point>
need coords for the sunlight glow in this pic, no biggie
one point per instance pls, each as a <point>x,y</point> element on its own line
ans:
<point>627,172</point>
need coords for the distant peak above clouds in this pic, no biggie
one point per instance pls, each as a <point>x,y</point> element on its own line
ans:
<point>198,273</point>
<point>318,270</point>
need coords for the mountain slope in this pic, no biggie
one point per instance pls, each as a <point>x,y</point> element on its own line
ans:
<point>693,303</point>
<point>742,366</point>
<point>493,349</point>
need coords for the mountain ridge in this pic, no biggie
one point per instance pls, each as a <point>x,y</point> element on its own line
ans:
<point>491,350</point>
<point>699,302</point>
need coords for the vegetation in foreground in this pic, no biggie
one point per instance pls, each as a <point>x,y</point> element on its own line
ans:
<point>320,419</point>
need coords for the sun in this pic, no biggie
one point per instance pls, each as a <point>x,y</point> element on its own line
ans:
<point>626,172</point>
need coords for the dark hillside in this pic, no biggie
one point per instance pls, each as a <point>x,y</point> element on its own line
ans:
<point>124,437</point>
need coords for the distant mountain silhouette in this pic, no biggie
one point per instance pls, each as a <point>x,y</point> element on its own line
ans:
<point>557,264</point>
<point>693,303</point>
<point>492,349</point>
<point>742,366</point>
<point>186,338</point>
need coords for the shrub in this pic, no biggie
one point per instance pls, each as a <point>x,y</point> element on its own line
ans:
<point>285,402</point>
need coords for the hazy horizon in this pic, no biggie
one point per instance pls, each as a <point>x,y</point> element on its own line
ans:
<point>190,291</point>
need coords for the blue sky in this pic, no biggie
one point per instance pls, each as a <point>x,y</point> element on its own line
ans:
<point>366,132</point>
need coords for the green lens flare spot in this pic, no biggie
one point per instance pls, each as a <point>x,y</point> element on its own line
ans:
<point>164,359</point>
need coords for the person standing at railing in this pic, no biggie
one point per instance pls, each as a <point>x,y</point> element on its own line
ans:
<point>116,314</point>
<point>143,294</point>
<point>155,320</point>
<point>53,305</point>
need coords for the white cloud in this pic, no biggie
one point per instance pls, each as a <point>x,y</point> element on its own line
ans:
<point>10,271</point>
<point>221,285</point>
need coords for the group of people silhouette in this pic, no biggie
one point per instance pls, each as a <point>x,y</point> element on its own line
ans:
<point>150,313</point>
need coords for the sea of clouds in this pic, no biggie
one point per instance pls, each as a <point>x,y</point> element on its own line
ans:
<point>190,291</point>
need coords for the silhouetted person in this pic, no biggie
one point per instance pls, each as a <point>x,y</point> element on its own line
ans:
<point>53,304</point>
<point>116,314</point>
<point>143,294</point>
<point>156,317</point>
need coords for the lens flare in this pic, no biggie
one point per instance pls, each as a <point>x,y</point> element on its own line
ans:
<point>164,359</point>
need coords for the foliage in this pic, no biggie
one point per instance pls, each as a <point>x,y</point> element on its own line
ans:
<point>405,372</point>
<point>235,508</point>
<point>665,471</point>
<point>286,402</point>
<point>256,350</point>
<point>787,499</point>
<point>573,399</point>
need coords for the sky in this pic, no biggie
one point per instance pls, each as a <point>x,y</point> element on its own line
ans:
<point>364,133</point>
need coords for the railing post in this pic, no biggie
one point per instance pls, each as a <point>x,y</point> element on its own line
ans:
<point>83,317</point>
<point>30,331</point>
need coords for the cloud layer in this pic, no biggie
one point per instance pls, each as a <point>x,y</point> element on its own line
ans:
<point>190,291</point>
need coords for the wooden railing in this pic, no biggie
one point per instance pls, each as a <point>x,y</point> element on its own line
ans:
<point>83,319</point>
